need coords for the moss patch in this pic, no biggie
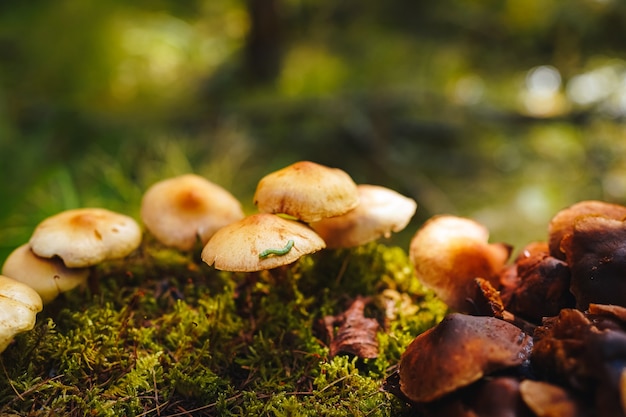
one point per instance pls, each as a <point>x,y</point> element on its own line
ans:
<point>160,333</point>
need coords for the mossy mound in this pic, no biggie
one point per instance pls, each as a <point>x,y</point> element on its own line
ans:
<point>161,333</point>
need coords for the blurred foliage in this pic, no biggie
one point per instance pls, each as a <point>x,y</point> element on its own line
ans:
<point>502,110</point>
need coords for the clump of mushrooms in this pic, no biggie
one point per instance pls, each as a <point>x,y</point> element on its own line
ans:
<point>569,293</point>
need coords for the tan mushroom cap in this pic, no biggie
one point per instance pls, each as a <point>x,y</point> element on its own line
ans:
<point>380,212</point>
<point>178,211</point>
<point>461,349</point>
<point>48,276</point>
<point>307,191</point>
<point>86,236</point>
<point>449,252</point>
<point>240,246</point>
<point>19,305</point>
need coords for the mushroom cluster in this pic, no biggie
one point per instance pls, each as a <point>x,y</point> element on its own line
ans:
<point>557,331</point>
<point>61,250</point>
<point>303,208</point>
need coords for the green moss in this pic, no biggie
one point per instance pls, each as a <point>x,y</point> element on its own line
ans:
<point>161,333</point>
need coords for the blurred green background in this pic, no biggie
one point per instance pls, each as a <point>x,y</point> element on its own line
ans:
<point>501,110</point>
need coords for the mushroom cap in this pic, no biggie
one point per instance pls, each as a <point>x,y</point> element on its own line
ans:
<point>448,252</point>
<point>595,252</point>
<point>380,212</point>
<point>307,191</point>
<point>180,210</point>
<point>546,399</point>
<point>563,222</point>
<point>48,276</point>
<point>458,351</point>
<point>239,246</point>
<point>19,305</point>
<point>86,236</point>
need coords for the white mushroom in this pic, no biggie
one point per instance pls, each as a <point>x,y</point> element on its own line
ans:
<point>19,305</point>
<point>86,236</point>
<point>380,212</point>
<point>48,276</point>
<point>180,211</point>
<point>258,242</point>
<point>307,191</point>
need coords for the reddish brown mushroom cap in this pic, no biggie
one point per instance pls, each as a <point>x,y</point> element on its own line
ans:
<point>563,222</point>
<point>307,191</point>
<point>178,211</point>
<point>86,236</point>
<point>595,251</point>
<point>448,252</point>
<point>461,349</point>
<point>380,212</point>
<point>258,242</point>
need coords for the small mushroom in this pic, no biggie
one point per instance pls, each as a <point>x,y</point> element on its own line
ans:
<point>448,252</point>
<point>596,254</point>
<point>86,236</point>
<point>563,222</point>
<point>48,276</point>
<point>549,400</point>
<point>307,191</point>
<point>460,350</point>
<point>541,284</point>
<point>380,212</point>
<point>258,242</point>
<point>19,305</point>
<point>180,211</point>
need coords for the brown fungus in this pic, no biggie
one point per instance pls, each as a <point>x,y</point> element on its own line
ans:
<point>539,286</point>
<point>595,250</point>
<point>460,350</point>
<point>563,222</point>
<point>449,252</point>
<point>549,400</point>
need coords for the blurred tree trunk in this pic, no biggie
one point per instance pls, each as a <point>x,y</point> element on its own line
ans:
<point>264,44</point>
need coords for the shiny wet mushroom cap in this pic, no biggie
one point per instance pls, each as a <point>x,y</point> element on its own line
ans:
<point>86,236</point>
<point>19,305</point>
<point>460,350</point>
<point>449,252</point>
<point>595,251</point>
<point>380,212</point>
<point>258,242</point>
<point>48,276</point>
<point>180,211</point>
<point>563,222</point>
<point>307,191</point>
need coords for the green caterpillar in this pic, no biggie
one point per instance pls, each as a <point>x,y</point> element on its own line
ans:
<point>279,252</point>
